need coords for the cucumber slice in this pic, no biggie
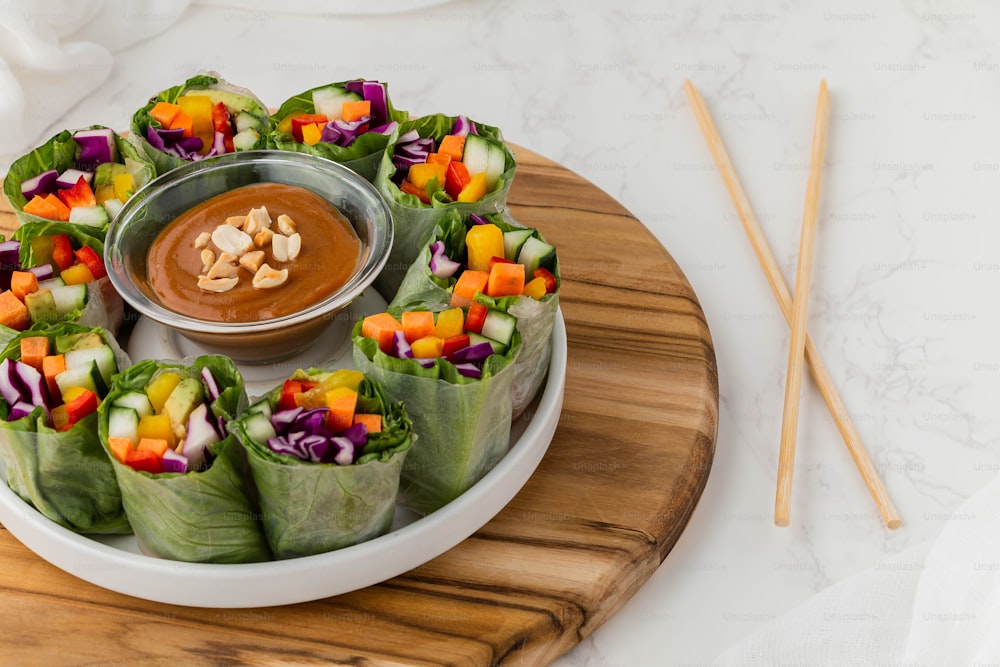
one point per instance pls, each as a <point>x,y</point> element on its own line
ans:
<point>498,347</point>
<point>245,140</point>
<point>499,326</point>
<point>258,427</point>
<point>87,376</point>
<point>263,407</point>
<point>123,423</point>
<point>49,283</point>
<point>103,356</point>
<point>137,401</point>
<point>495,162</point>
<point>476,156</point>
<point>329,101</point>
<point>535,253</point>
<point>512,242</point>
<point>112,206</point>
<point>69,298</point>
<point>92,216</point>
<point>246,121</point>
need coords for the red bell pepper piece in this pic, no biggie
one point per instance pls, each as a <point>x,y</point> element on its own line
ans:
<point>454,343</point>
<point>88,256</point>
<point>220,121</point>
<point>546,275</point>
<point>82,405</point>
<point>475,317</point>
<point>80,194</point>
<point>62,251</point>
<point>288,391</point>
<point>455,178</point>
<point>145,460</point>
<point>306,119</point>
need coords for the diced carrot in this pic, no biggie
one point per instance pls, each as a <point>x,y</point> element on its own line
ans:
<point>144,460</point>
<point>53,365</point>
<point>120,448</point>
<point>342,402</point>
<point>23,282</point>
<point>417,324</point>
<point>13,312</point>
<point>535,288</point>
<point>33,350</point>
<point>184,122</point>
<point>439,158</point>
<point>468,284</point>
<point>506,279</point>
<point>453,145</point>
<point>165,112</point>
<point>155,445</point>
<point>354,110</point>
<point>41,207</point>
<point>381,327</point>
<point>410,189</point>
<point>62,210</point>
<point>372,422</point>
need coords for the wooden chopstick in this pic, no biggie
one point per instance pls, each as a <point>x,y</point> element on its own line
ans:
<point>800,308</point>
<point>772,272</point>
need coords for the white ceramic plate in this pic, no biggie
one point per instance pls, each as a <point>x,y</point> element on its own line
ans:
<point>115,563</point>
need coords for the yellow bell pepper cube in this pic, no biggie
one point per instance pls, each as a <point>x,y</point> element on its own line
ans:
<point>450,323</point>
<point>124,186</point>
<point>483,242</point>
<point>427,347</point>
<point>421,174</point>
<point>77,274</point>
<point>199,108</point>
<point>156,427</point>
<point>535,288</point>
<point>312,133</point>
<point>159,389</point>
<point>105,193</point>
<point>475,189</point>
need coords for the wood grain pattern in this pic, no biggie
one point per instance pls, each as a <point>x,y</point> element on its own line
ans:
<point>620,480</point>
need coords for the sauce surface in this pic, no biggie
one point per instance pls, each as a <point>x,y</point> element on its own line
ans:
<point>329,256</point>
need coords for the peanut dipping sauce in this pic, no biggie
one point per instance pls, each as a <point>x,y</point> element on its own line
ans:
<point>330,253</point>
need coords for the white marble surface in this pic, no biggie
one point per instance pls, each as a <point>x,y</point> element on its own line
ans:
<point>903,307</point>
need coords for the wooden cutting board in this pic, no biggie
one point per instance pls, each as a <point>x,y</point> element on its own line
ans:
<point>616,488</point>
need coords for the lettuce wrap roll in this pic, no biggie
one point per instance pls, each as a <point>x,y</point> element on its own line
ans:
<point>458,265</point>
<point>349,122</point>
<point>59,276</point>
<point>45,183</point>
<point>51,381</point>
<point>326,450</point>
<point>183,477</point>
<point>434,164</point>
<point>202,117</point>
<point>456,387</point>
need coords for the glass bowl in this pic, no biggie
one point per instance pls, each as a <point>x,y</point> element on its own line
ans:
<point>155,205</point>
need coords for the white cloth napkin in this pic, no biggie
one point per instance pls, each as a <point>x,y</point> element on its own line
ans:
<point>935,604</point>
<point>53,53</point>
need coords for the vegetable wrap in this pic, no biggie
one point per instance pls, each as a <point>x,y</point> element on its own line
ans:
<point>349,122</point>
<point>471,172</point>
<point>44,184</point>
<point>202,117</point>
<point>70,282</point>
<point>326,450</point>
<point>461,411</point>
<point>432,280</point>
<point>51,380</point>
<point>185,487</point>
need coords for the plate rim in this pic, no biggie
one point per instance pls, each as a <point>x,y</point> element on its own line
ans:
<point>299,580</point>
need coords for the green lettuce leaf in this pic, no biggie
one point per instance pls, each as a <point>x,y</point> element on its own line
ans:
<point>65,475</point>
<point>413,221</point>
<point>200,516</point>
<point>60,153</point>
<point>310,508</point>
<point>363,156</point>
<point>235,98</point>
<point>463,425</point>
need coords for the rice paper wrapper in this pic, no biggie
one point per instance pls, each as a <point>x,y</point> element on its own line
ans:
<point>462,425</point>
<point>60,153</point>
<point>363,156</point>
<point>65,475</point>
<point>105,307</point>
<point>535,318</point>
<point>311,508</point>
<point>202,516</point>
<point>209,83</point>
<point>414,221</point>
